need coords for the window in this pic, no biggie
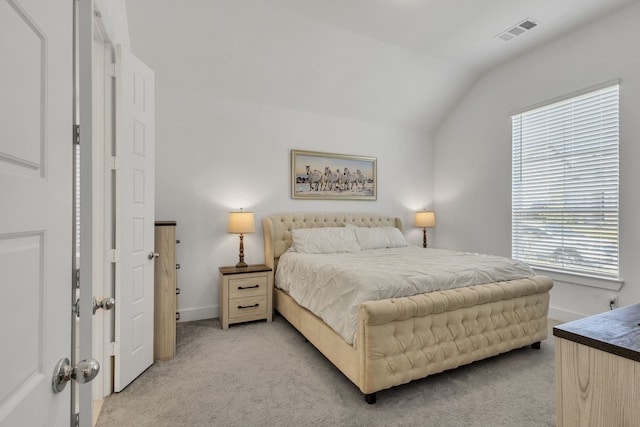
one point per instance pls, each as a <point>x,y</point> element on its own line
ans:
<point>565,184</point>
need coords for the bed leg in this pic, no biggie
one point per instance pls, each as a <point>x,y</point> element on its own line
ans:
<point>370,398</point>
<point>536,345</point>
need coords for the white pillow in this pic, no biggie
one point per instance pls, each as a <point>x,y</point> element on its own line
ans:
<point>379,237</point>
<point>324,240</point>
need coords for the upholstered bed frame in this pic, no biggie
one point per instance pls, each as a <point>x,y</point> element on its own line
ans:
<point>402,339</point>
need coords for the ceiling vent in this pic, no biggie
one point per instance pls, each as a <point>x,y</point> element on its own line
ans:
<point>517,30</point>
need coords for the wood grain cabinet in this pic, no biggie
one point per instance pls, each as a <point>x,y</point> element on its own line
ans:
<point>598,370</point>
<point>245,294</point>
<point>166,291</point>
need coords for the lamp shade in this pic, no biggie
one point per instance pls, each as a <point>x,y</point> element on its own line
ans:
<point>241,223</point>
<point>425,219</point>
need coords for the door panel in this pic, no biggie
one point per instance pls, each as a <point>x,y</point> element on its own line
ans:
<point>134,218</point>
<point>35,214</point>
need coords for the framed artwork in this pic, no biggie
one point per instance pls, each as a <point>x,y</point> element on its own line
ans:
<point>327,176</point>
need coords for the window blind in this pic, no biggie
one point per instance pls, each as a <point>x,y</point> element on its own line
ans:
<point>565,184</point>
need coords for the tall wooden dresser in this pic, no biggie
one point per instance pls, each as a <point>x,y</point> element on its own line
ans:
<point>166,291</point>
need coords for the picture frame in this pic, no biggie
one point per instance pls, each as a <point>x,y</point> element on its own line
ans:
<point>328,176</point>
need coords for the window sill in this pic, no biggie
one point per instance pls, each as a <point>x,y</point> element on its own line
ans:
<point>577,279</point>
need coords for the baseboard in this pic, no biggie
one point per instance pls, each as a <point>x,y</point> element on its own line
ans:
<point>200,313</point>
<point>563,316</point>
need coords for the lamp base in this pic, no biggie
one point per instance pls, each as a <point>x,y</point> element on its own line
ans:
<point>241,263</point>
<point>424,237</point>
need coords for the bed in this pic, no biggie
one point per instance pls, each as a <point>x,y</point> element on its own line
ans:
<point>397,340</point>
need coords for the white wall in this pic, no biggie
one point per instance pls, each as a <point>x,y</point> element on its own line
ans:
<point>214,156</point>
<point>472,174</point>
<point>239,85</point>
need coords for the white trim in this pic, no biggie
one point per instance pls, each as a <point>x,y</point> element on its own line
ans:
<point>565,97</point>
<point>108,284</point>
<point>564,316</point>
<point>85,108</point>
<point>200,313</point>
<point>102,200</point>
<point>576,279</point>
<point>98,216</point>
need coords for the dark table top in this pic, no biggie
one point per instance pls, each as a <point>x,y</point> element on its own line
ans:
<point>256,268</point>
<point>616,332</point>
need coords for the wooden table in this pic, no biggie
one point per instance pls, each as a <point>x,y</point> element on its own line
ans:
<point>598,369</point>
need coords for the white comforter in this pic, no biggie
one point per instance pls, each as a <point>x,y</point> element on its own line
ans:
<point>333,285</point>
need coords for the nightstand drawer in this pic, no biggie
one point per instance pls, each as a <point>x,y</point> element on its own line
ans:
<point>248,286</point>
<point>247,306</point>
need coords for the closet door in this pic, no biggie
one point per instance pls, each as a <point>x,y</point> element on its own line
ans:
<point>135,140</point>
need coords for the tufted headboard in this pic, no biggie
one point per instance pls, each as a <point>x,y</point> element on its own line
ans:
<point>277,227</point>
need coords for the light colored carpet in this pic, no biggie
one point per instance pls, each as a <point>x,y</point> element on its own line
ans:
<point>265,374</point>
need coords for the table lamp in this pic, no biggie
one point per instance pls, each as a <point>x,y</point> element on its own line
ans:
<point>423,220</point>
<point>241,223</point>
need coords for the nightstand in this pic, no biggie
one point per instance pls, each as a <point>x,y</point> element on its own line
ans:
<point>245,294</point>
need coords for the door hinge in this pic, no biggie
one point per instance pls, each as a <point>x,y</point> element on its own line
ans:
<point>76,134</point>
<point>75,308</point>
<point>113,255</point>
<point>113,349</point>
<point>76,420</point>
<point>113,70</point>
<point>113,163</point>
<point>76,278</point>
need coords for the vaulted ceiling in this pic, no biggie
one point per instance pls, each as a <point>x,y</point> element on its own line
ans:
<point>395,62</point>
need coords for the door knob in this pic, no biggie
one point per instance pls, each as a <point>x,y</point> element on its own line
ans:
<point>105,304</point>
<point>153,255</point>
<point>83,372</point>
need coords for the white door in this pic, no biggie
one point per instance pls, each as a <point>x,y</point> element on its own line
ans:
<point>134,218</point>
<point>35,208</point>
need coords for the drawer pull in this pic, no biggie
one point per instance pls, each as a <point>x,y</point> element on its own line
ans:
<point>240,307</point>
<point>240,288</point>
